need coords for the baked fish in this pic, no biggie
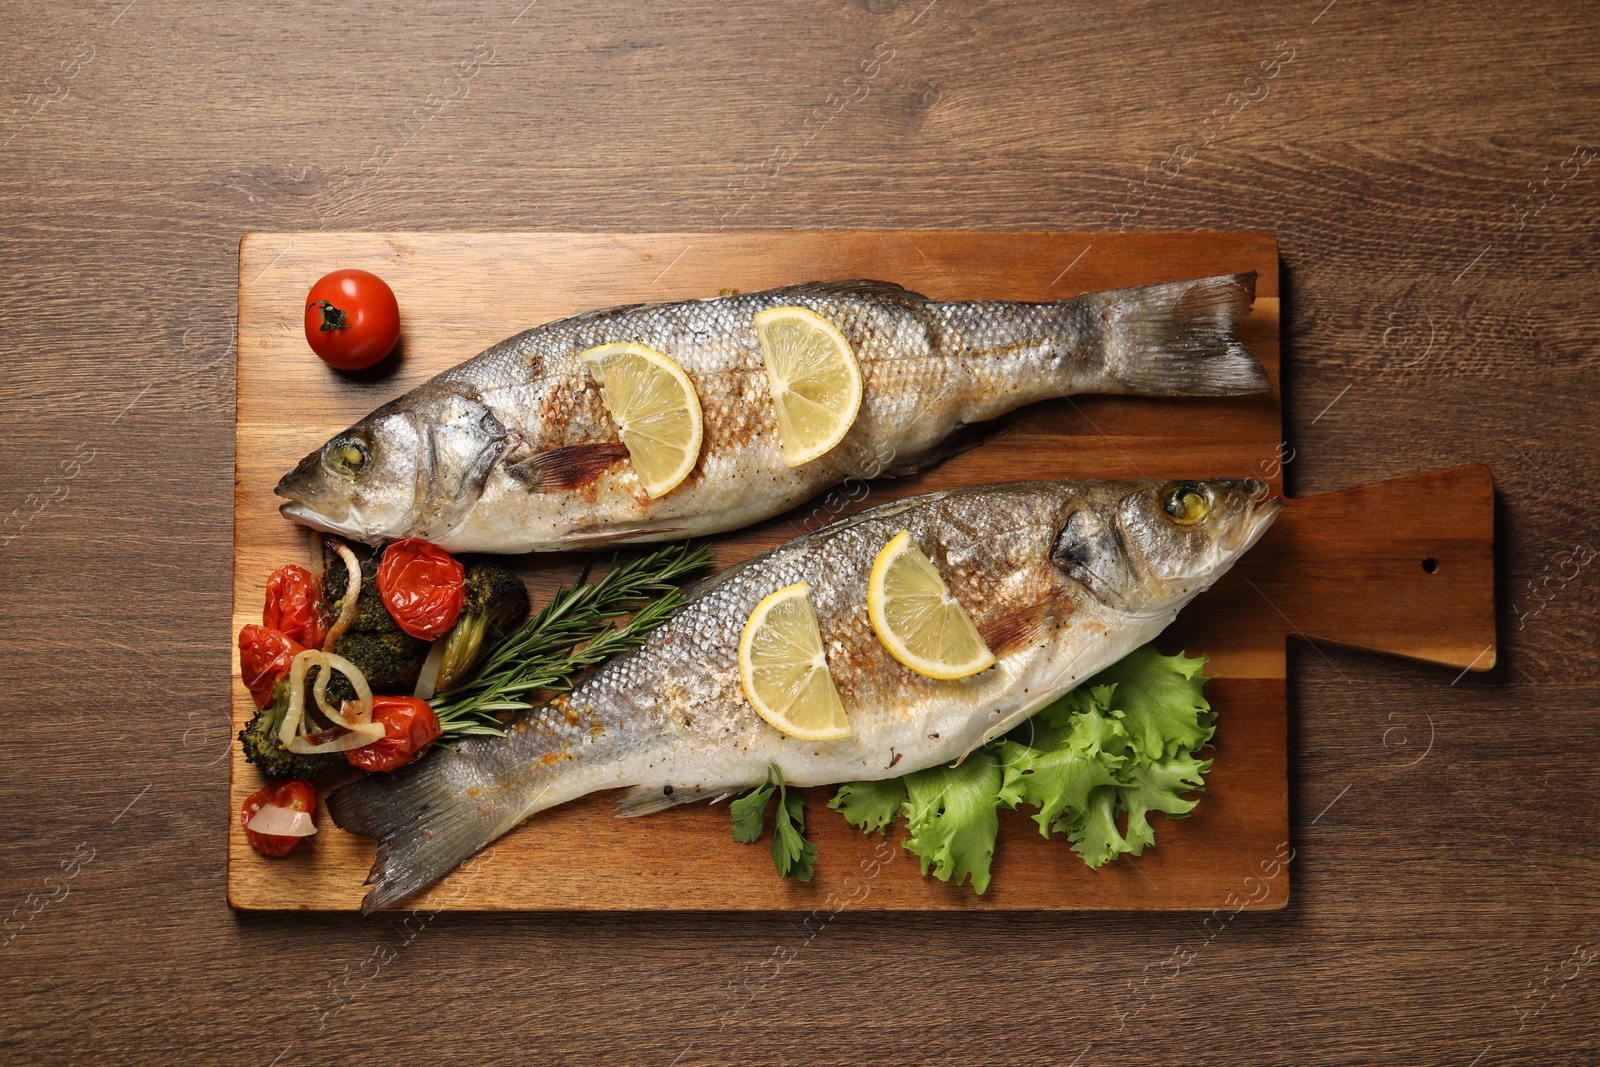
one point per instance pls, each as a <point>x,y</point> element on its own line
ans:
<point>1061,578</point>
<point>515,451</point>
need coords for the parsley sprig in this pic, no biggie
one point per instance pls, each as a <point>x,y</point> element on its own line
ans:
<point>792,854</point>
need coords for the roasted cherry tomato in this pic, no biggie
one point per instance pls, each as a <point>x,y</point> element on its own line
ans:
<point>421,585</point>
<point>352,319</point>
<point>409,727</point>
<point>265,656</point>
<point>294,606</point>
<point>296,795</point>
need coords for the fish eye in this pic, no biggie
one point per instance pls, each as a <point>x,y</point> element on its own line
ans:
<point>1186,503</point>
<point>347,455</point>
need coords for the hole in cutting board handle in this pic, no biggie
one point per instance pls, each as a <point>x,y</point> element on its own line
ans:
<point>1430,565</point>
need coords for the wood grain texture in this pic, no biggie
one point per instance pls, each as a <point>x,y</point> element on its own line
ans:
<point>1415,162</point>
<point>1336,565</point>
<point>580,856</point>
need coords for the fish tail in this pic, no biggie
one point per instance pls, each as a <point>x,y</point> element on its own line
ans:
<point>423,821</point>
<point>1176,338</point>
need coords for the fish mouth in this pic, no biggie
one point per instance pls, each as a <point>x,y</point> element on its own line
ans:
<point>298,488</point>
<point>1264,510</point>
<point>306,515</point>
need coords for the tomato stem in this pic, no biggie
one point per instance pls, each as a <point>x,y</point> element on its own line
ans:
<point>332,317</point>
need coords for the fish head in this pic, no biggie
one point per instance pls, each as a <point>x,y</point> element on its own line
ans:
<point>1149,547</point>
<point>413,468</point>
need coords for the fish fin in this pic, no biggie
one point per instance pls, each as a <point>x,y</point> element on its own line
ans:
<point>1024,627</point>
<point>963,439</point>
<point>1176,339</point>
<point>861,287</point>
<point>649,799</point>
<point>568,467</point>
<point>425,827</point>
<point>597,537</point>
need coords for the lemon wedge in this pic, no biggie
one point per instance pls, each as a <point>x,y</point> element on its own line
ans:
<point>917,619</point>
<point>814,378</point>
<point>655,408</point>
<point>783,669</point>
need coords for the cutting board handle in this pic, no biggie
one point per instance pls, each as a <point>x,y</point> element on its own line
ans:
<point>1404,567</point>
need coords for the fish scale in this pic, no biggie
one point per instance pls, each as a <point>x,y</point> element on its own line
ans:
<point>514,451</point>
<point>1091,569</point>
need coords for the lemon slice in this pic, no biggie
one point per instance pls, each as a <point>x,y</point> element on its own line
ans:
<point>783,669</point>
<point>814,378</point>
<point>917,619</point>
<point>655,409</point>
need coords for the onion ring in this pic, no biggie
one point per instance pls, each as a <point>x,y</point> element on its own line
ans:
<point>361,723</point>
<point>352,592</point>
<point>360,737</point>
<point>330,663</point>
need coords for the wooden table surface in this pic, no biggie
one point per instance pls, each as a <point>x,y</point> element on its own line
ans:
<point>1430,171</point>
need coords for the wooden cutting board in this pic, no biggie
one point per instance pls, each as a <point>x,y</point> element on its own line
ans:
<point>1404,567</point>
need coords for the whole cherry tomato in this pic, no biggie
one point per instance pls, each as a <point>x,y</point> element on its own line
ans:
<point>296,795</point>
<point>421,585</point>
<point>265,656</point>
<point>293,606</point>
<point>409,727</point>
<point>352,319</point>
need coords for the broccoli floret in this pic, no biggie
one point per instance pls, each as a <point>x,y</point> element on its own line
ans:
<point>493,590</point>
<point>260,741</point>
<point>387,656</point>
<point>497,603</point>
<point>389,661</point>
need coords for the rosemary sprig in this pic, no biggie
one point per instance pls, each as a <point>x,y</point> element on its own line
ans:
<point>572,632</point>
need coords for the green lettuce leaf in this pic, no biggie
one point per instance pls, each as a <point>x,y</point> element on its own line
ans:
<point>1051,724</point>
<point>1093,829</point>
<point>870,806</point>
<point>1159,696</point>
<point>1160,786</point>
<point>952,818</point>
<point>1094,763</point>
<point>1089,755</point>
